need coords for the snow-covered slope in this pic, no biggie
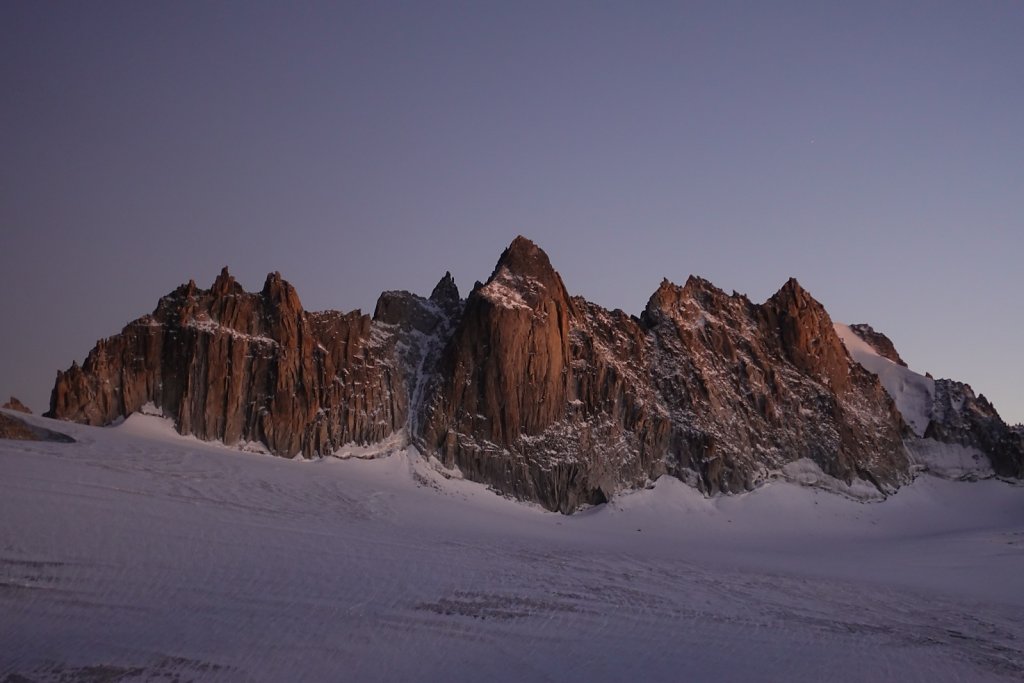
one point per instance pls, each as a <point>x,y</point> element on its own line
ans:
<point>913,393</point>
<point>136,554</point>
<point>955,446</point>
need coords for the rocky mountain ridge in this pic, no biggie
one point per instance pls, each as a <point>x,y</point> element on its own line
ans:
<point>541,395</point>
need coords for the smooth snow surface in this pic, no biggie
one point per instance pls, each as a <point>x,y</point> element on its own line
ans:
<point>138,555</point>
<point>913,393</point>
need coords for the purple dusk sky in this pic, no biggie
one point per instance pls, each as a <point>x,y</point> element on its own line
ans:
<point>873,150</point>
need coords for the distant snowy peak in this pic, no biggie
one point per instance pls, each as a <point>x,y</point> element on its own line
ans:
<point>882,345</point>
<point>913,393</point>
<point>959,433</point>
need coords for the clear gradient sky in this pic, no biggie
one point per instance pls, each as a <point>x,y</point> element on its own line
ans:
<point>874,150</point>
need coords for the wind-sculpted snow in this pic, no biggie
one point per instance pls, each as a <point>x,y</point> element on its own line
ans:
<point>138,554</point>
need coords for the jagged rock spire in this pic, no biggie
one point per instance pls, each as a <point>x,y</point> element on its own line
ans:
<point>807,334</point>
<point>445,293</point>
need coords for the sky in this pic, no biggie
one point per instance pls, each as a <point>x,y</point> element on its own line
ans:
<point>872,150</point>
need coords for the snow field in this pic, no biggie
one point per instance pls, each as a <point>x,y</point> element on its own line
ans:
<point>137,554</point>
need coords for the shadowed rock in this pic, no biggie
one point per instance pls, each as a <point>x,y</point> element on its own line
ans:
<point>19,430</point>
<point>959,416</point>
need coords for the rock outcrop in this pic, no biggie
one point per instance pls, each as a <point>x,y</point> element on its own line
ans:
<point>13,428</point>
<point>16,405</point>
<point>19,430</point>
<point>543,396</point>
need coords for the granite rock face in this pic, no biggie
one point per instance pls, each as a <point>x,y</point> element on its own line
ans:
<point>512,405</point>
<point>235,366</point>
<point>543,396</point>
<point>554,399</point>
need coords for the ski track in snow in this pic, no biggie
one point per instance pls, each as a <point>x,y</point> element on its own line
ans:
<point>138,555</point>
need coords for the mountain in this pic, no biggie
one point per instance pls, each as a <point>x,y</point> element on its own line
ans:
<point>544,396</point>
<point>960,434</point>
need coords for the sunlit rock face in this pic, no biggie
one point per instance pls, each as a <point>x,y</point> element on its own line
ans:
<point>235,366</point>
<point>544,396</point>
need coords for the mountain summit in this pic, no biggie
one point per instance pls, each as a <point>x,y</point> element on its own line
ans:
<point>544,397</point>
